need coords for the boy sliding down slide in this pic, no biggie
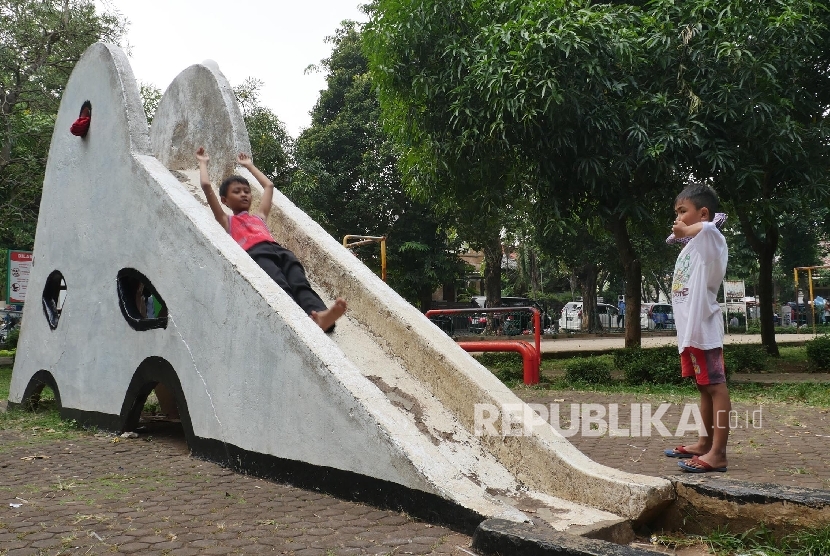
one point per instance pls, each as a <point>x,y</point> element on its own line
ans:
<point>251,233</point>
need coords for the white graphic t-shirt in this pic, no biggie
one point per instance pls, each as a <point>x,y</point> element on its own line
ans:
<point>698,274</point>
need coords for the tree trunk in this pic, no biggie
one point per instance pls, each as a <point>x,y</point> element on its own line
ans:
<point>588,278</point>
<point>425,300</point>
<point>492,271</point>
<point>633,272</point>
<point>765,249</point>
<point>448,292</point>
<point>492,281</point>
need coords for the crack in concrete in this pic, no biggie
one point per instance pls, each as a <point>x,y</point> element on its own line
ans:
<point>201,377</point>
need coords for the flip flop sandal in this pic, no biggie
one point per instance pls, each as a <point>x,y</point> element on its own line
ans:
<point>679,452</point>
<point>697,465</point>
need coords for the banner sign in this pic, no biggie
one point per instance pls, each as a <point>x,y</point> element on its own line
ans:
<point>734,291</point>
<point>20,266</point>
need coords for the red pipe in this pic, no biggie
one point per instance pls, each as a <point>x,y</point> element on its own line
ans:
<point>529,367</point>
<point>537,333</point>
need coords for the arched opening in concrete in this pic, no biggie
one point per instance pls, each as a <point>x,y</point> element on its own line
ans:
<point>167,414</point>
<point>41,392</point>
<point>54,294</point>
<point>142,306</point>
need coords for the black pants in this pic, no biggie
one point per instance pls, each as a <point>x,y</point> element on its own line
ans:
<point>285,269</point>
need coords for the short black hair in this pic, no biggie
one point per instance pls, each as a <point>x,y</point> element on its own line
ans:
<point>226,183</point>
<point>86,104</point>
<point>700,195</point>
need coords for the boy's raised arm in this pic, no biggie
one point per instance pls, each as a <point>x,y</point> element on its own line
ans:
<point>267,185</point>
<point>213,201</point>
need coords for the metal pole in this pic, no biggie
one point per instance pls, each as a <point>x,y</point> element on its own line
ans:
<point>812,301</point>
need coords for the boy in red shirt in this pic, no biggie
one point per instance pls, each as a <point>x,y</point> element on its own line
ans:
<point>251,233</point>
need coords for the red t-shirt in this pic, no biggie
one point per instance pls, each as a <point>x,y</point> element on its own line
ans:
<point>248,229</point>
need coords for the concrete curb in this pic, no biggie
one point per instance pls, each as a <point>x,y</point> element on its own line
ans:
<point>499,537</point>
<point>742,504</point>
<point>743,492</point>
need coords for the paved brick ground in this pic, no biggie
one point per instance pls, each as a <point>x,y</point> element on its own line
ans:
<point>95,495</point>
<point>91,495</point>
<point>782,444</point>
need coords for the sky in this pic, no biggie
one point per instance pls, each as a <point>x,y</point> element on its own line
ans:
<point>273,41</point>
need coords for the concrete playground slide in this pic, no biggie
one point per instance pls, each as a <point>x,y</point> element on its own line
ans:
<point>383,409</point>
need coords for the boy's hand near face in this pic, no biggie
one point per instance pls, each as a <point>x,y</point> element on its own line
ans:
<point>681,229</point>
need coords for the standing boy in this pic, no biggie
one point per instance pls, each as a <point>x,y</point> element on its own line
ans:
<point>251,233</point>
<point>698,274</point>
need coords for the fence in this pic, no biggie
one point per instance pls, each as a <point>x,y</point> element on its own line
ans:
<point>531,355</point>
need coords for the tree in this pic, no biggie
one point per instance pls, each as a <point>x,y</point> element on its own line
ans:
<point>271,145</point>
<point>758,88</point>
<point>40,42</point>
<point>550,101</point>
<point>348,179</point>
<point>150,98</point>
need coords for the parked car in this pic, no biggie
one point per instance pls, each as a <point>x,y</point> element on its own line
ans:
<point>657,316</point>
<point>444,322</point>
<point>511,324</point>
<point>571,316</point>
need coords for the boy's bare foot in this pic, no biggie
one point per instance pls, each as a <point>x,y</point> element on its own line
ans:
<point>325,319</point>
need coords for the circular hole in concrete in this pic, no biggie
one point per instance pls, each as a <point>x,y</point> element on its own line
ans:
<point>54,294</point>
<point>142,306</point>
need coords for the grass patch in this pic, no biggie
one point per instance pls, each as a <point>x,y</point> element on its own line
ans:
<point>5,382</point>
<point>761,541</point>
<point>805,394</point>
<point>42,426</point>
<point>811,394</point>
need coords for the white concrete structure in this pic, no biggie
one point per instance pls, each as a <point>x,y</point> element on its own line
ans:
<point>382,409</point>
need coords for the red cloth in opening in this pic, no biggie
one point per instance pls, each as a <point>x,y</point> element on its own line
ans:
<point>80,127</point>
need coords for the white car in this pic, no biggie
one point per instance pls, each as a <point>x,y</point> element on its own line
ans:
<point>656,316</point>
<point>571,316</point>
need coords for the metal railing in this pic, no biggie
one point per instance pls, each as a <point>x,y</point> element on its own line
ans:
<point>531,355</point>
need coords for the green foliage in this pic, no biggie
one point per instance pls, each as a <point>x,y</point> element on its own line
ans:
<point>12,338</point>
<point>757,96</point>
<point>506,366</point>
<point>272,148</point>
<point>657,365</point>
<point>755,328</point>
<point>5,382</point>
<point>761,540</point>
<point>601,110</point>
<point>591,370</point>
<point>41,42</point>
<point>739,358</point>
<point>809,542</point>
<point>818,352</point>
<point>150,98</point>
<point>348,180</point>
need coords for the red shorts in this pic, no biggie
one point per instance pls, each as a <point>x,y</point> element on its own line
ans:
<point>705,365</point>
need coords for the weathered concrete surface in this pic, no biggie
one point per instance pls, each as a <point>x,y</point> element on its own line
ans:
<point>108,205</point>
<point>199,110</point>
<point>402,352</point>
<point>495,537</point>
<point>704,503</point>
<point>388,395</point>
